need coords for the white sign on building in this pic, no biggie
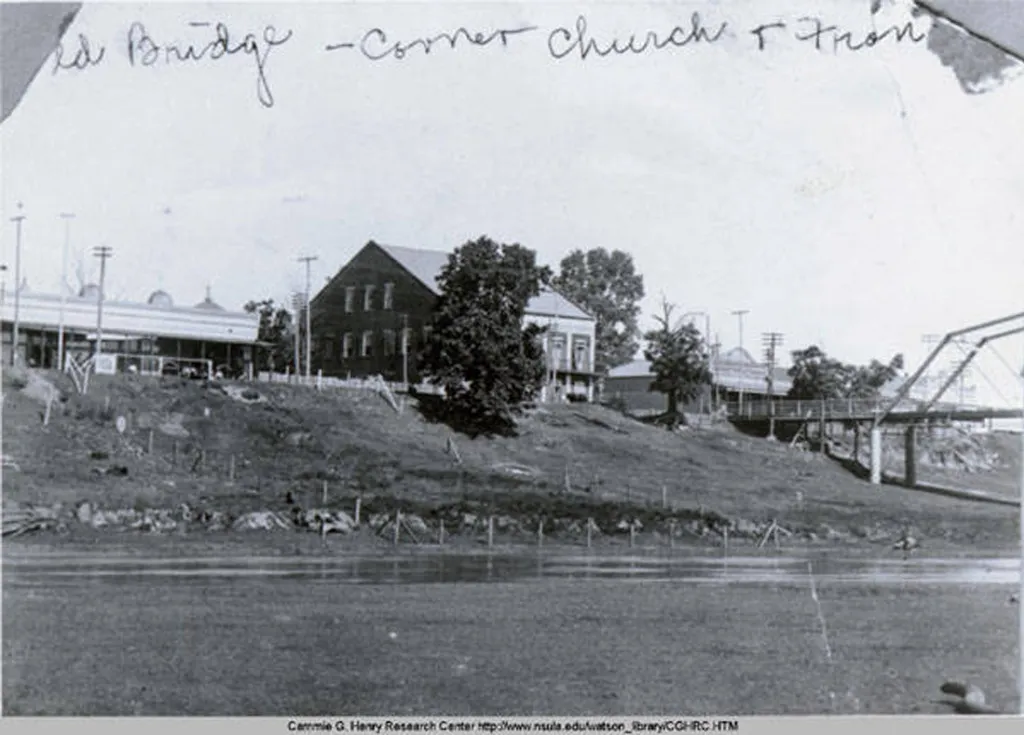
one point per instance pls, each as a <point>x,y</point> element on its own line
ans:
<point>105,364</point>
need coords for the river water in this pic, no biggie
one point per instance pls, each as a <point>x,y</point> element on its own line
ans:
<point>482,568</point>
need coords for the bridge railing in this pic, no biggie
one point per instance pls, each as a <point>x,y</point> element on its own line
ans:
<point>839,408</point>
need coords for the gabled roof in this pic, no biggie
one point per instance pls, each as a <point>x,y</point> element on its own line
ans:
<point>551,303</point>
<point>738,355</point>
<point>426,266</point>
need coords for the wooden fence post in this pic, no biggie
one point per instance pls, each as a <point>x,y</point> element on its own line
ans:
<point>231,468</point>
<point>540,533</point>
<point>323,495</point>
<point>359,502</point>
<point>440,534</point>
<point>490,531</point>
<point>398,525</point>
<point>632,534</point>
<point>590,530</point>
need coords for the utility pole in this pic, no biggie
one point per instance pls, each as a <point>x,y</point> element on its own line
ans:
<point>296,307</point>
<point>739,316</point>
<point>708,345</point>
<point>67,217</point>
<point>405,351</point>
<point>307,259</point>
<point>1020,592</point>
<point>102,252</point>
<point>771,340</point>
<point>17,220</point>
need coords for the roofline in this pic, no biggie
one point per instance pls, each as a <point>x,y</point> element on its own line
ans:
<point>589,315</point>
<point>360,251</point>
<point>111,303</point>
<point>383,248</point>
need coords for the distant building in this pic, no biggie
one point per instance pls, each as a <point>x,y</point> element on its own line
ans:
<point>137,332</point>
<point>373,318</point>
<point>736,377</point>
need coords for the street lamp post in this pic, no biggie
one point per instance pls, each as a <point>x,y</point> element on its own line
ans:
<point>17,220</point>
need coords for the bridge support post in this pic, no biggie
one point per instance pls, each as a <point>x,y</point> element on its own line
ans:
<point>856,443</point>
<point>910,456</point>
<point>876,455</point>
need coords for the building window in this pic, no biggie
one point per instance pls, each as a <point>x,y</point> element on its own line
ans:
<point>350,299</point>
<point>367,346</point>
<point>389,296</point>
<point>346,346</point>
<point>368,299</point>
<point>389,341</point>
<point>556,352</point>
<point>581,354</point>
<point>406,338</point>
<point>426,335</point>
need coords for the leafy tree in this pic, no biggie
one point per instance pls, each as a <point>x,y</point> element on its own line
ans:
<point>817,376</point>
<point>607,286</point>
<point>679,361</point>
<point>479,349</point>
<point>275,330</point>
<point>868,381</point>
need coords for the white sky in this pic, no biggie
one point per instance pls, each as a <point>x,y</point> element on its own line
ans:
<point>785,182</point>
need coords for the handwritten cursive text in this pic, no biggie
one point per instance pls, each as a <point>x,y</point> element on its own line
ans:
<point>832,37</point>
<point>82,59</point>
<point>562,41</point>
<point>376,46</point>
<point>142,49</point>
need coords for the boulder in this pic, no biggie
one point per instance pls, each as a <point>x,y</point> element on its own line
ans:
<point>84,513</point>
<point>298,439</point>
<point>264,520</point>
<point>330,521</point>
<point>415,523</point>
<point>174,427</point>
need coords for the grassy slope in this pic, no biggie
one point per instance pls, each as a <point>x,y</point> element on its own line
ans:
<point>361,446</point>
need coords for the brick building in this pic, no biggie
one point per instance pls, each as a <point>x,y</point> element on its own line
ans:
<point>373,318</point>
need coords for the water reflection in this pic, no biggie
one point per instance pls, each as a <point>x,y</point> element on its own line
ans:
<point>490,567</point>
